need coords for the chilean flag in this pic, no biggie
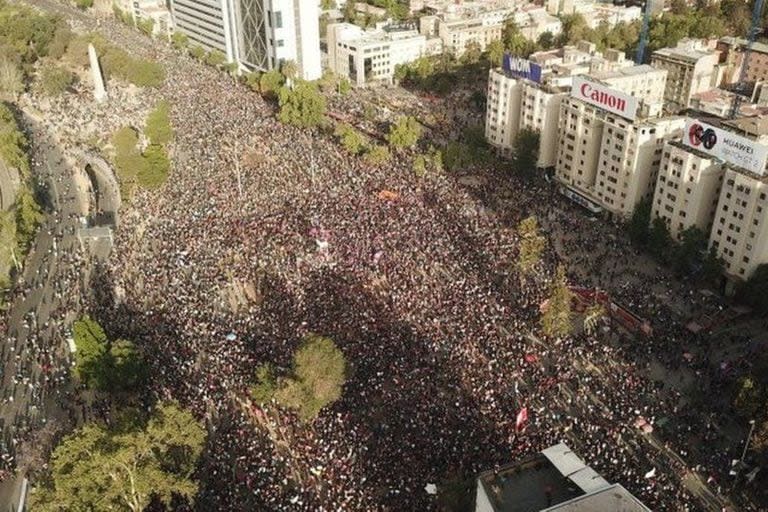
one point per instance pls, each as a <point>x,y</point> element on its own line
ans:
<point>522,417</point>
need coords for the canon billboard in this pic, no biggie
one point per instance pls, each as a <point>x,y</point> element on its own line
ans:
<point>726,146</point>
<point>604,97</point>
<point>521,68</point>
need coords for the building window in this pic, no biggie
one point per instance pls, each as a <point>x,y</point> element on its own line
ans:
<point>280,43</point>
<point>278,20</point>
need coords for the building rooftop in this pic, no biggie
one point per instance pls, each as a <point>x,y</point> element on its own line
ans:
<point>613,498</point>
<point>555,480</point>
<point>627,71</point>
<point>737,41</point>
<point>690,50</point>
<point>752,127</point>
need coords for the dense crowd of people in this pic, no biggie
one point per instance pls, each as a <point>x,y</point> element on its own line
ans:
<point>414,280</point>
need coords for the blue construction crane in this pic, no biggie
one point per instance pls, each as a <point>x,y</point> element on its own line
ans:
<point>644,32</point>
<point>742,88</point>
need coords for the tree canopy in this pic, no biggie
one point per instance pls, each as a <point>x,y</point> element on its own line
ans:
<point>315,381</point>
<point>404,133</point>
<point>302,105</point>
<point>557,320</point>
<point>102,364</point>
<point>126,466</point>
<point>158,126</point>
<point>532,245</point>
<point>525,152</point>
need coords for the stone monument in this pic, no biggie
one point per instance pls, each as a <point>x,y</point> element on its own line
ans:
<point>99,92</point>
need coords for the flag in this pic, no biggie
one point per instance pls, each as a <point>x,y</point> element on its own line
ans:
<point>522,417</point>
<point>651,473</point>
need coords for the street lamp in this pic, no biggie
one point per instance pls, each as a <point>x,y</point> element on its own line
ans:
<point>749,436</point>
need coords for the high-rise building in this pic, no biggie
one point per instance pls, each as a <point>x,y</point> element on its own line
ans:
<point>515,102</point>
<point>611,138</point>
<point>687,188</point>
<point>692,68</point>
<point>256,34</point>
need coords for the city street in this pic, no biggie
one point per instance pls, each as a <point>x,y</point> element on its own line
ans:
<point>47,296</point>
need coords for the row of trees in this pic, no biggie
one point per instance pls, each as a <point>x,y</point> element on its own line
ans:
<point>315,380</point>
<point>148,168</point>
<point>19,223</point>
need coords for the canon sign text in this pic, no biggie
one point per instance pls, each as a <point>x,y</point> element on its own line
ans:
<point>604,97</point>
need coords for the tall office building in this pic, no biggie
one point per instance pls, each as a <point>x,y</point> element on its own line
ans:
<point>257,34</point>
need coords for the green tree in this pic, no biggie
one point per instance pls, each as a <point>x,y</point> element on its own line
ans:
<point>92,348</point>
<point>526,152</point>
<point>350,14</point>
<point>266,384</point>
<point>350,138</point>
<point>377,154</point>
<point>532,245</point>
<point>11,79</point>
<point>472,53</point>
<point>54,80</point>
<point>557,318</point>
<point>270,82</point>
<point>290,70</point>
<point>639,225</point>
<point>127,159</point>
<point>546,41</point>
<point>28,217</point>
<point>179,40</point>
<point>327,5</point>
<point>301,106</point>
<point>158,127</point>
<point>495,51</point>
<point>154,173</point>
<point>514,40</point>
<point>125,467</point>
<point>575,29</point>
<point>404,133</point>
<point>319,373</point>
<point>13,143</point>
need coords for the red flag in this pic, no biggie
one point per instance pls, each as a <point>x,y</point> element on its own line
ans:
<point>522,417</point>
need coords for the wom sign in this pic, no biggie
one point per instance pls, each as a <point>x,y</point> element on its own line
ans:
<point>604,97</point>
<point>726,146</point>
<point>521,68</point>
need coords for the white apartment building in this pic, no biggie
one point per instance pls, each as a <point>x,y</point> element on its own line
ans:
<point>533,21</point>
<point>611,138</point>
<point>515,103</point>
<point>367,56</point>
<point>257,34</point>
<point>687,188</point>
<point>596,13</point>
<point>692,68</point>
<point>740,230</point>
<point>458,30</point>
